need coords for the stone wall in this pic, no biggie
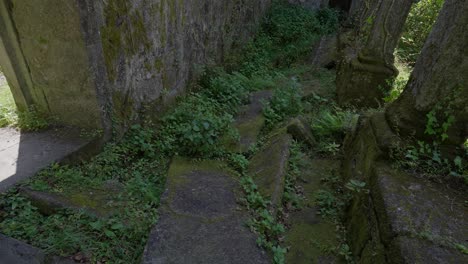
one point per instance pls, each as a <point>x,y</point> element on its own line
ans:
<point>91,62</point>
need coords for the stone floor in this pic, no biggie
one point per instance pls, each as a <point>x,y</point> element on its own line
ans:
<point>23,154</point>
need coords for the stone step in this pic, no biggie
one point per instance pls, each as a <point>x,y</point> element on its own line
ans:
<point>268,168</point>
<point>23,154</point>
<point>13,251</point>
<point>100,201</point>
<point>310,237</point>
<point>200,220</point>
<point>249,122</point>
<point>408,220</point>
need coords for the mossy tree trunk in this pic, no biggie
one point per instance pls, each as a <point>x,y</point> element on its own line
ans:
<point>365,70</point>
<point>438,85</point>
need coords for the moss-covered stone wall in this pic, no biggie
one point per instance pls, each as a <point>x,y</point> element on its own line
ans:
<point>152,49</point>
<point>92,63</point>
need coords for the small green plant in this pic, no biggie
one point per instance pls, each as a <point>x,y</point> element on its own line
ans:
<point>286,101</point>
<point>290,196</point>
<point>334,123</point>
<point>356,186</point>
<point>427,157</point>
<point>329,204</point>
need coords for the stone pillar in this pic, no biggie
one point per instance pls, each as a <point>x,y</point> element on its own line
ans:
<point>439,80</point>
<point>364,72</point>
<point>12,61</point>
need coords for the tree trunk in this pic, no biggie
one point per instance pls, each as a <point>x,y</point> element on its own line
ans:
<point>439,81</point>
<point>364,72</point>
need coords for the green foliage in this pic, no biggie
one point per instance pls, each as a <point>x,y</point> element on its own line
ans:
<point>287,35</point>
<point>139,161</point>
<point>8,115</point>
<point>230,90</point>
<point>286,101</point>
<point>263,222</point>
<point>135,164</point>
<point>30,120</point>
<point>417,28</point>
<point>330,125</point>
<point>426,156</point>
<point>399,83</point>
<point>329,203</point>
<point>334,123</point>
<point>290,196</point>
<point>356,186</point>
<point>194,126</point>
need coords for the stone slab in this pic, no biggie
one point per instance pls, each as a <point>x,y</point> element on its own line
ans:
<point>99,201</point>
<point>310,235</point>
<point>268,167</point>
<point>22,154</point>
<point>200,220</point>
<point>17,252</point>
<point>408,206</point>
<point>249,122</point>
<point>13,251</point>
<point>413,250</point>
<point>300,130</point>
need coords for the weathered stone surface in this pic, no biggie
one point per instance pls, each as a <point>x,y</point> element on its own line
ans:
<point>400,207</point>
<point>310,233</point>
<point>100,202</point>
<point>200,220</point>
<point>249,122</point>
<point>301,131</point>
<point>50,38</point>
<point>415,207</point>
<point>86,61</point>
<point>414,250</point>
<point>13,251</point>
<point>22,154</point>
<point>268,168</point>
<point>326,52</point>
<point>151,48</point>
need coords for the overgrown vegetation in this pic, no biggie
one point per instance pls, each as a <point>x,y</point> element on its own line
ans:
<point>138,163</point>
<point>30,120</point>
<point>417,28</point>
<point>427,156</point>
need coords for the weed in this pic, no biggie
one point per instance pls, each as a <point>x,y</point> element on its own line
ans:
<point>194,126</point>
<point>286,101</point>
<point>291,196</point>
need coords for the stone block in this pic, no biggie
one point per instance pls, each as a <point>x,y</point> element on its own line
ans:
<point>200,220</point>
<point>269,167</point>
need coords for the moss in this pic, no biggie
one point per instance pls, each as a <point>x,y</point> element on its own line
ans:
<point>248,132</point>
<point>268,167</point>
<point>172,10</point>
<point>123,106</point>
<point>148,66</point>
<point>180,166</point>
<point>158,64</point>
<point>124,31</point>
<point>309,243</point>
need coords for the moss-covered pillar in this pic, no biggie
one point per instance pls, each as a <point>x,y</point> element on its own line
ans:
<point>12,60</point>
<point>365,70</point>
<point>438,86</point>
